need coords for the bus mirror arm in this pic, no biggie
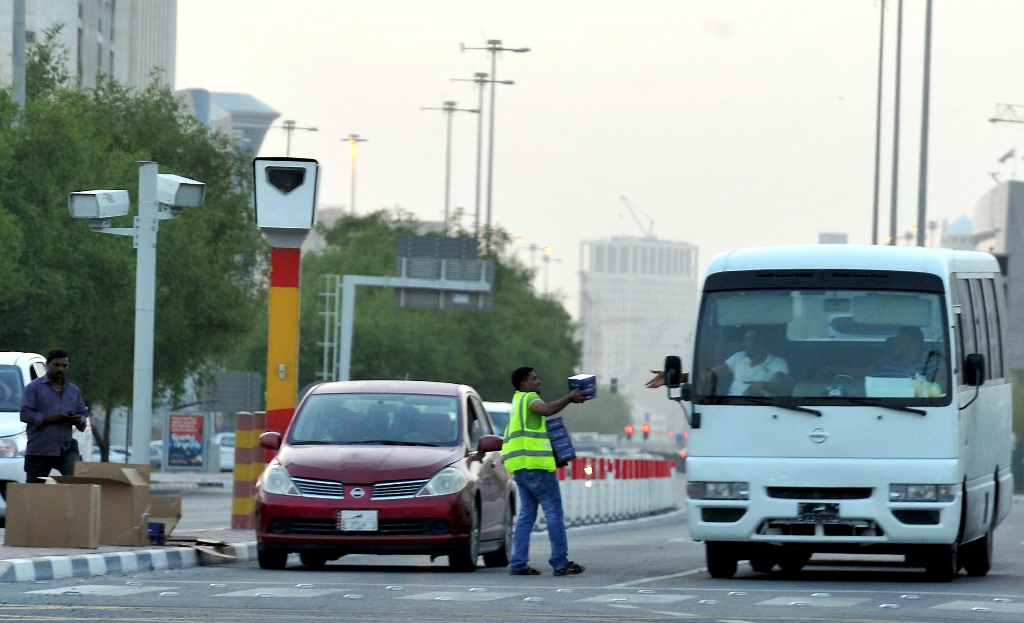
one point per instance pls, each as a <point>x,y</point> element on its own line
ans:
<point>676,379</point>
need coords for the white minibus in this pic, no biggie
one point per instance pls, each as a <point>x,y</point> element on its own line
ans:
<point>848,399</point>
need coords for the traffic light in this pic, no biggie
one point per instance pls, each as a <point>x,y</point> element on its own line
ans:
<point>629,432</point>
<point>614,385</point>
<point>646,430</point>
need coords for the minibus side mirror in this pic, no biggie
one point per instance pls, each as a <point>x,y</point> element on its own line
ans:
<point>974,369</point>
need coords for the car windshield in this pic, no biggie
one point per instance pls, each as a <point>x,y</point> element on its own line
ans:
<point>10,388</point>
<point>499,417</point>
<point>376,419</point>
<point>822,347</point>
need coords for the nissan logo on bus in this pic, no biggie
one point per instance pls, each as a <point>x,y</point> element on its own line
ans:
<point>818,435</point>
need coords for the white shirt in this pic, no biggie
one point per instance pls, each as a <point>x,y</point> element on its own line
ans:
<point>743,374</point>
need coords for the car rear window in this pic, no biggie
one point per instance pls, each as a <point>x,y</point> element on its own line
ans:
<point>411,419</point>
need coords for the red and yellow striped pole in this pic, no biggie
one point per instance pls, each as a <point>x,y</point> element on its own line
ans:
<point>282,338</point>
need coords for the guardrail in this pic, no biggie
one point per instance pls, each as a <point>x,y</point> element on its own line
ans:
<point>599,490</point>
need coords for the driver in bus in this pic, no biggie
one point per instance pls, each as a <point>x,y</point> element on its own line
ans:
<point>754,370</point>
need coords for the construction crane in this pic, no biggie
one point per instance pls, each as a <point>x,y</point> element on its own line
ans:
<point>649,229</point>
<point>1008,113</point>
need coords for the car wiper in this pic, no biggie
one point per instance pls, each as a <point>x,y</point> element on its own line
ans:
<point>868,403</point>
<point>769,402</point>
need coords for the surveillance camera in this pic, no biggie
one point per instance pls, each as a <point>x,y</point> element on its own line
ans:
<point>98,204</point>
<point>286,190</point>
<point>179,192</point>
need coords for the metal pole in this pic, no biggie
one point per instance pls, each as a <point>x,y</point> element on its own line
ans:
<point>878,126</point>
<point>480,77</point>
<point>896,126</point>
<point>18,53</point>
<point>493,44</point>
<point>922,180</point>
<point>449,111</point>
<point>146,225</point>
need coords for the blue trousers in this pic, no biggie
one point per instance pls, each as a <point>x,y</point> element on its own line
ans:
<point>539,488</point>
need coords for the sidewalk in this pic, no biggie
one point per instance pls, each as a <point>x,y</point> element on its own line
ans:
<point>27,564</point>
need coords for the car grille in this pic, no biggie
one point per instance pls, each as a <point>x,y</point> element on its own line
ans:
<point>397,490</point>
<point>332,489</point>
<point>820,493</point>
<point>311,488</point>
<point>385,527</point>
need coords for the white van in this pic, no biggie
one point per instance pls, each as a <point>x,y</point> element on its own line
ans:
<point>16,371</point>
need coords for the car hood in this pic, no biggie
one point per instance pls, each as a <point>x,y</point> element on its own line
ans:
<point>367,464</point>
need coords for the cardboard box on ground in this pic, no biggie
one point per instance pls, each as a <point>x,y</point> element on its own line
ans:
<point>40,515</point>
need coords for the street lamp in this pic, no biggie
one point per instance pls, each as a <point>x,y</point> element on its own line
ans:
<point>480,79</point>
<point>449,110</point>
<point>493,47</point>
<point>354,140</point>
<point>161,196</point>
<point>289,126</point>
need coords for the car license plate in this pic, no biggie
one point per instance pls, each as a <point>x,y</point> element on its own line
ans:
<point>817,512</point>
<point>357,521</point>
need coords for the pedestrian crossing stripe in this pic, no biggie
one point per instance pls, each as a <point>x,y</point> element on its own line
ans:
<point>283,591</point>
<point>827,602</point>
<point>453,596</point>
<point>102,590</point>
<point>982,606</point>
<point>637,598</point>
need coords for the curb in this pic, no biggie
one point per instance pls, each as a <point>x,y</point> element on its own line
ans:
<point>84,565</point>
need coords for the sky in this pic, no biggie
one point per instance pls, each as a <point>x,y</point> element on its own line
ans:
<point>723,123</point>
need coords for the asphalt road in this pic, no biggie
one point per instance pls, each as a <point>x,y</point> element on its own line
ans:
<point>645,570</point>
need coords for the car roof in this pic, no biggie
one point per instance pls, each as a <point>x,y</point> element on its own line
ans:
<point>434,388</point>
<point>17,357</point>
<point>497,406</point>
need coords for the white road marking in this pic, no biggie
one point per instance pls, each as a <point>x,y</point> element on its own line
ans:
<point>282,591</point>
<point>636,598</point>
<point>99,589</point>
<point>451,596</point>
<point>992,606</point>
<point>831,602</point>
<point>681,574</point>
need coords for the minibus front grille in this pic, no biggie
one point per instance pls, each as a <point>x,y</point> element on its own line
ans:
<point>820,493</point>
<point>842,528</point>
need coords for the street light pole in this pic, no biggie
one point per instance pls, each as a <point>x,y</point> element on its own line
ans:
<point>147,225</point>
<point>354,140</point>
<point>493,47</point>
<point>289,126</point>
<point>449,109</point>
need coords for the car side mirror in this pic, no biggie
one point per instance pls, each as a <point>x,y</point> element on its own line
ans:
<point>489,443</point>
<point>271,440</point>
<point>974,369</point>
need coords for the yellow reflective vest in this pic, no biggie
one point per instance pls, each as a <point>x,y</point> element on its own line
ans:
<point>526,438</point>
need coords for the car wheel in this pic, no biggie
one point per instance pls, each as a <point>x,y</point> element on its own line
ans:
<point>942,563</point>
<point>793,561</point>
<point>721,559</point>
<point>500,557</point>
<point>313,560</point>
<point>465,558</point>
<point>271,558</point>
<point>976,556</point>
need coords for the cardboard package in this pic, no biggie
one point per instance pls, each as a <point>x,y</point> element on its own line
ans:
<point>587,383</point>
<point>124,499</point>
<point>165,510</point>
<point>53,515</point>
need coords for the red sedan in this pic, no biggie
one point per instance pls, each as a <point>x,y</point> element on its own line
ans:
<point>386,467</point>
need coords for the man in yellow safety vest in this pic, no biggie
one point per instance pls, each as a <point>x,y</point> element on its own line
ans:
<point>528,455</point>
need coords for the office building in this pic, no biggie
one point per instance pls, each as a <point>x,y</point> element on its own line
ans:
<point>127,40</point>
<point>638,299</point>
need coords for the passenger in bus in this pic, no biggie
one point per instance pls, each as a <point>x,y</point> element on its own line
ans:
<point>906,357</point>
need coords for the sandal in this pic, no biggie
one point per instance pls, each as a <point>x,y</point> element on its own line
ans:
<point>569,569</point>
<point>526,571</point>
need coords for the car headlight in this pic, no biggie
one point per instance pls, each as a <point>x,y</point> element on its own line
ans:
<point>448,480</point>
<point>13,446</point>
<point>718,490</point>
<point>275,479</point>
<point>922,493</point>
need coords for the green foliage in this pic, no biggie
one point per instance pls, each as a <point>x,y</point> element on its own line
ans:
<point>478,348</point>
<point>606,414</point>
<point>67,286</point>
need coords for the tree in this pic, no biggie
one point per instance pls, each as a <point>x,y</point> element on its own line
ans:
<point>68,286</point>
<point>478,348</point>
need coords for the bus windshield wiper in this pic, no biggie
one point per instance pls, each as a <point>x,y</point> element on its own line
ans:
<point>768,402</point>
<point>868,403</point>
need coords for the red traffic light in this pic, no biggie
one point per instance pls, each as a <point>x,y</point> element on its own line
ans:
<point>646,428</point>
<point>629,429</point>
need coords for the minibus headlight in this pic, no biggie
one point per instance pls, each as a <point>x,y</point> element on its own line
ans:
<point>718,490</point>
<point>922,493</point>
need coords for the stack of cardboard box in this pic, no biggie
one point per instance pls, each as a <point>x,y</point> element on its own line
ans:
<point>102,504</point>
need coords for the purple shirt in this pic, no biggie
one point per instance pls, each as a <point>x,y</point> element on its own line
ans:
<point>41,399</point>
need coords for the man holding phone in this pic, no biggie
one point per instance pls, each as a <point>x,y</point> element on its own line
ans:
<point>50,406</point>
